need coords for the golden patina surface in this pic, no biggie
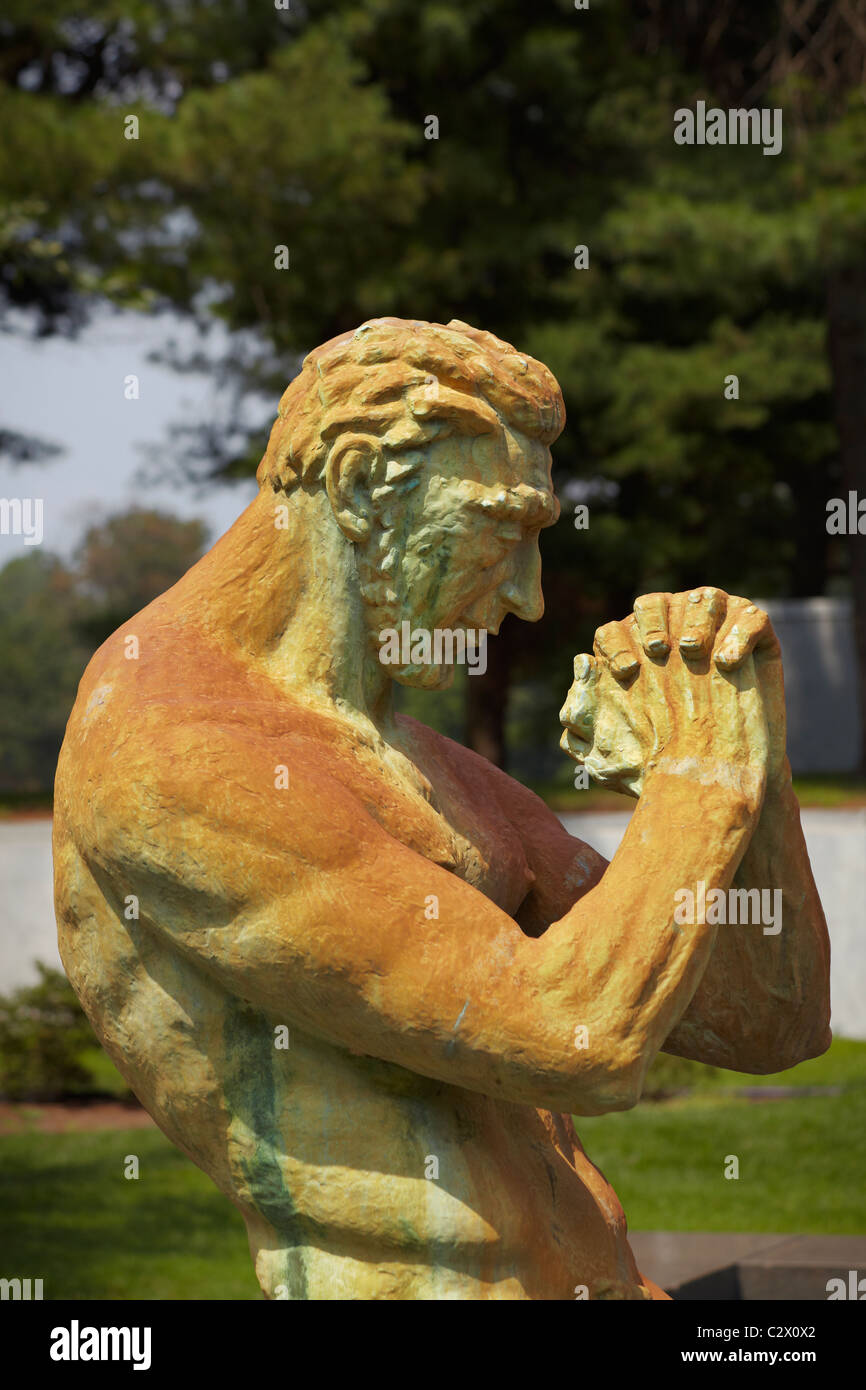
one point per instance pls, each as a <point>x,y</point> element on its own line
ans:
<point>360,976</point>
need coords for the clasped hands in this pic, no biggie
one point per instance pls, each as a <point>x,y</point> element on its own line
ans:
<point>689,683</point>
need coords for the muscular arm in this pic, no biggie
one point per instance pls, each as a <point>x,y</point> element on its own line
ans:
<point>300,903</point>
<point>763,1003</point>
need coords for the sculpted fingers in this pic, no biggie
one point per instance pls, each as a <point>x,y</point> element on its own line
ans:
<point>742,721</point>
<point>613,642</point>
<point>748,633</point>
<point>703,614</point>
<point>585,667</point>
<point>651,623</point>
<point>578,713</point>
<point>598,727</point>
<point>615,759</point>
<point>746,630</point>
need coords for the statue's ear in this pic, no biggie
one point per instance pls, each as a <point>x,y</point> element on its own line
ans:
<point>351,473</point>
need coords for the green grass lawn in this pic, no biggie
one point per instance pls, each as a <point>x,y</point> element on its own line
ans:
<point>800,1164</point>
<point>68,1215</point>
<point>800,1160</point>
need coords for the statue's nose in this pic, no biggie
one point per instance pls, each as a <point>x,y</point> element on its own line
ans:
<point>521,593</point>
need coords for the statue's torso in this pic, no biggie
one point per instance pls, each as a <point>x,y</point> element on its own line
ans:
<point>358,1178</point>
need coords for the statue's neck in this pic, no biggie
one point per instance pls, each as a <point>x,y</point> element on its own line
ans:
<point>287,599</point>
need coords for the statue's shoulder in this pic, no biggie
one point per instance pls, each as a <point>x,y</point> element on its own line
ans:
<point>176,729</point>
<point>151,677</point>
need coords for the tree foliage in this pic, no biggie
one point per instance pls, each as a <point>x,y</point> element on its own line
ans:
<point>126,561</point>
<point>307,129</point>
<point>53,616</point>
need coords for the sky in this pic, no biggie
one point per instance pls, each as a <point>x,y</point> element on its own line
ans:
<point>72,393</point>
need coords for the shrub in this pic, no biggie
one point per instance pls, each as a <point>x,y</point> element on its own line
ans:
<point>46,1042</point>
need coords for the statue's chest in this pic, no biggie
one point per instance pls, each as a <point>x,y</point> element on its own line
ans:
<point>452,825</point>
<point>486,854</point>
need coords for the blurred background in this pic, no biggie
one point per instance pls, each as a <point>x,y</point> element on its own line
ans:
<point>194,193</point>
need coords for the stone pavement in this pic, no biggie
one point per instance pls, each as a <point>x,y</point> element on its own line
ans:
<point>713,1265</point>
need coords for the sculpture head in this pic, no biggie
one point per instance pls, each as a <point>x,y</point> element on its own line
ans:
<point>431,443</point>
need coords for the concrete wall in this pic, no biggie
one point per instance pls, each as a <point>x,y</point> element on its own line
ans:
<point>817,640</point>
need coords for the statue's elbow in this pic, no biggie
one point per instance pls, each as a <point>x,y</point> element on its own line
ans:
<point>798,1047</point>
<point>617,1087</point>
<point>816,1045</point>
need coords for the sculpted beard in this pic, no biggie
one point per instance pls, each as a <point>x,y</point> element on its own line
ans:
<point>385,590</point>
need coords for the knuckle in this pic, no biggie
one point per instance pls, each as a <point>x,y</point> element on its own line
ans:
<point>755,625</point>
<point>610,637</point>
<point>649,602</point>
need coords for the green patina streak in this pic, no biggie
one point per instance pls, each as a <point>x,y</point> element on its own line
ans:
<point>250,1092</point>
<point>413,1239</point>
<point>440,574</point>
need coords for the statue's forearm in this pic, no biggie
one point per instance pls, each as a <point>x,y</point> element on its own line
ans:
<point>763,1003</point>
<point>631,968</point>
